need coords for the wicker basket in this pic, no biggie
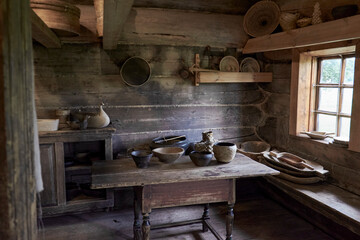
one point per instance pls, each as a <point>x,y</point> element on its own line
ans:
<point>63,18</point>
<point>303,22</point>
<point>288,21</point>
<point>262,18</point>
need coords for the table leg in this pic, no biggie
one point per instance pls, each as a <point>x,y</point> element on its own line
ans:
<point>146,226</point>
<point>229,221</point>
<point>205,216</point>
<point>137,212</point>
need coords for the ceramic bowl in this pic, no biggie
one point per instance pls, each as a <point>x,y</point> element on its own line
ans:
<point>201,159</point>
<point>168,154</point>
<point>141,158</point>
<point>224,152</point>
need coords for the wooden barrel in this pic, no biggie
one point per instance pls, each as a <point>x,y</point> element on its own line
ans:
<point>63,18</point>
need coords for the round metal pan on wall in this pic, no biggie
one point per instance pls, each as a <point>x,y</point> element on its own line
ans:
<point>135,71</point>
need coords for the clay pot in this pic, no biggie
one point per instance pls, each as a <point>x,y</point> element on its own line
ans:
<point>141,158</point>
<point>98,120</point>
<point>201,159</point>
<point>224,151</point>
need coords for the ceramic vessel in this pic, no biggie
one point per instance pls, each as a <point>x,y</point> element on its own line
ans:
<point>224,151</point>
<point>201,159</point>
<point>99,120</point>
<point>141,158</point>
<point>168,154</point>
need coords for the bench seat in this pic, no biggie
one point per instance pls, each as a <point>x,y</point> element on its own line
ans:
<point>339,206</point>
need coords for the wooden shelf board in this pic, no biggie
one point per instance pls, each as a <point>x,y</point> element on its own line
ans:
<point>328,32</point>
<point>234,77</point>
<point>42,33</point>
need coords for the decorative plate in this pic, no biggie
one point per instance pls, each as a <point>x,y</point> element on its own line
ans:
<point>229,64</point>
<point>249,64</point>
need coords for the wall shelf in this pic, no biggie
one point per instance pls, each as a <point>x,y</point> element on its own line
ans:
<point>234,77</point>
<point>214,76</point>
<point>328,32</point>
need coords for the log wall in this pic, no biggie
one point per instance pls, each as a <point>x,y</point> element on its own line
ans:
<point>82,76</point>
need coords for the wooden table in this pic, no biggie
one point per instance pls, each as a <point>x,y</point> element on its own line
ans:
<point>178,184</point>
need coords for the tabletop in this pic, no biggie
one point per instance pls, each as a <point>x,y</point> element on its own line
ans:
<point>124,173</point>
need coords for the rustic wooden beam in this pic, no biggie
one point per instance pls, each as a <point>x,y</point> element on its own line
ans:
<point>17,181</point>
<point>154,26</point>
<point>115,14</point>
<point>42,33</point>
<point>328,32</point>
<point>354,143</point>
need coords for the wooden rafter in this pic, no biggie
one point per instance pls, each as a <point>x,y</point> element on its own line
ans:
<point>115,14</point>
<point>42,33</point>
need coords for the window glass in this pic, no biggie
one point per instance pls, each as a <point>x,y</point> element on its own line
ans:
<point>349,70</point>
<point>346,104</point>
<point>330,71</point>
<point>326,123</point>
<point>328,99</point>
<point>345,127</point>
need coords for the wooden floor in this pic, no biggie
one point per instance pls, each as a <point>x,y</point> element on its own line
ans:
<point>259,218</point>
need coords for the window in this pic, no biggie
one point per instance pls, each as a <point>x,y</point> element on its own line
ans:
<point>333,92</point>
<point>325,91</point>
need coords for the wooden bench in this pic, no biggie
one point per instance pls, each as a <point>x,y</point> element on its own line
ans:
<point>332,209</point>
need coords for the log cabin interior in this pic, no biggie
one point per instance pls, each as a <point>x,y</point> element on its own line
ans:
<point>223,119</point>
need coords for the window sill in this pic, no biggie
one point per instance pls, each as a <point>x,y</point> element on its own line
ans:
<point>326,141</point>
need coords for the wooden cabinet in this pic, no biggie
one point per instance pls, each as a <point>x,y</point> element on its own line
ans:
<point>54,150</point>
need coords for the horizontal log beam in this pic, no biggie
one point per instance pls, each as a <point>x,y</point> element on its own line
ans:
<point>328,32</point>
<point>42,33</point>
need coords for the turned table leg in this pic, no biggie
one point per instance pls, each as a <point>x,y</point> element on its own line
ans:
<point>229,221</point>
<point>146,226</point>
<point>205,216</point>
<point>137,212</point>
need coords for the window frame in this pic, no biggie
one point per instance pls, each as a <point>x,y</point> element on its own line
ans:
<point>303,73</point>
<point>339,86</point>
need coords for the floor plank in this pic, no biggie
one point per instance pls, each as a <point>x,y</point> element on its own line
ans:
<point>259,218</point>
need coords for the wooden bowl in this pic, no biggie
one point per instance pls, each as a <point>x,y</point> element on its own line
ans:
<point>141,158</point>
<point>253,149</point>
<point>201,159</point>
<point>168,154</point>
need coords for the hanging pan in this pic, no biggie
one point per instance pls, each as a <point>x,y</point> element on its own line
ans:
<point>135,71</point>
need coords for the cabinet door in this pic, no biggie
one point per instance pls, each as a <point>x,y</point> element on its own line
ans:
<point>48,171</point>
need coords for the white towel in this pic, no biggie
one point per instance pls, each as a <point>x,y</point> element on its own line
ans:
<point>37,163</point>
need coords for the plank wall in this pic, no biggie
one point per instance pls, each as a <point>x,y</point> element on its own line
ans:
<point>82,76</point>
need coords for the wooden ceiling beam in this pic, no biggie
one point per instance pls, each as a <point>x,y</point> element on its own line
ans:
<point>115,14</point>
<point>42,33</point>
